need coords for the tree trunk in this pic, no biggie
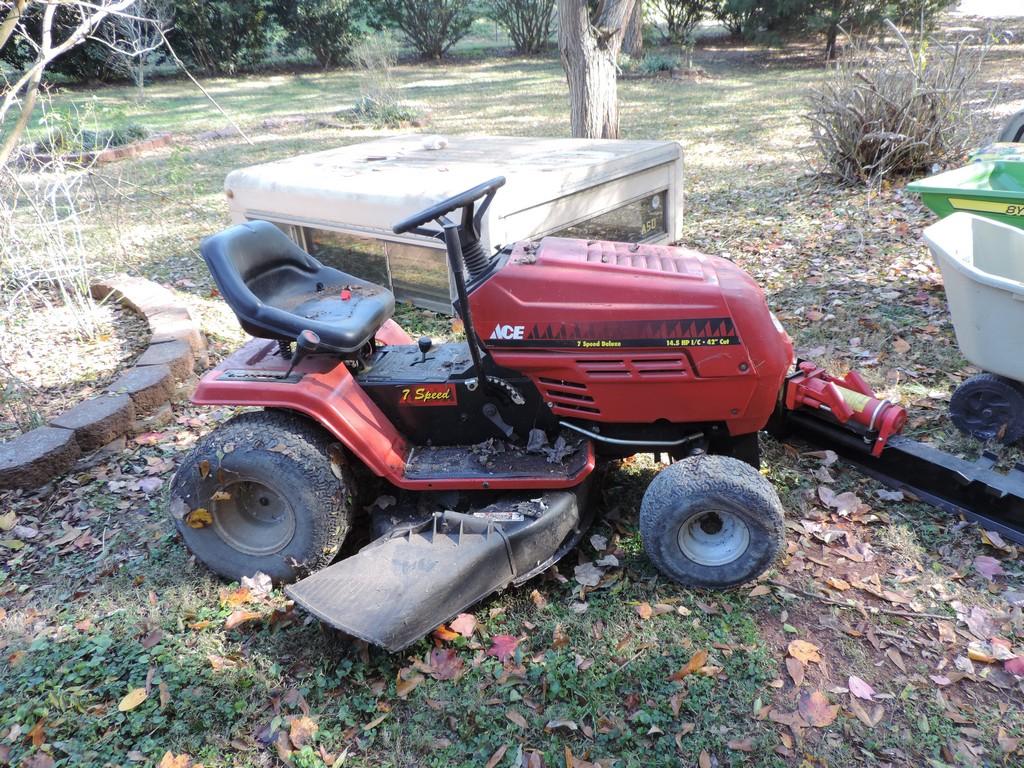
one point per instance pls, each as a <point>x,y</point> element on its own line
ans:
<point>830,42</point>
<point>633,42</point>
<point>589,49</point>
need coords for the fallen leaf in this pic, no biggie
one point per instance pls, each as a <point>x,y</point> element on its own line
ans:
<point>947,632</point>
<point>444,634</point>
<point>742,745</point>
<point>1007,744</point>
<point>561,725</point>
<point>861,689</point>
<point>407,679</point>
<point>980,623</point>
<point>698,660</point>
<point>815,709</point>
<point>870,719</point>
<point>445,664</point>
<point>239,617</point>
<point>760,590</point>
<point>901,346</point>
<point>896,658</point>
<point>235,597</point>
<point>804,651</point>
<point>559,638</point>
<point>885,495</point>
<point>131,700</point>
<point>301,731</point>
<point>496,757</point>
<point>199,518</point>
<point>539,600</point>
<point>995,541</point>
<point>152,638</point>
<point>837,583</point>
<point>165,694</point>
<point>516,718</point>
<point>980,651</point>
<point>7,521</point>
<point>259,584</point>
<point>588,574</point>
<point>644,611</point>
<point>464,624</point>
<point>503,647</point>
<point>795,667</point>
<point>988,567</point>
<point>171,760</point>
<point>38,733</point>
<point>704,759</point>
<point>1015,666</point>
<point>219,663</point>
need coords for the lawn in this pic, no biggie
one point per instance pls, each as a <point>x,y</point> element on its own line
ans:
<point>103,600</point>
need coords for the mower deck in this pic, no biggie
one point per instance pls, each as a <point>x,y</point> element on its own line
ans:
<point>421,574</point>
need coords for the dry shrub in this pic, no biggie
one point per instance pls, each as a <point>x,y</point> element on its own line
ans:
<point>893,112</point>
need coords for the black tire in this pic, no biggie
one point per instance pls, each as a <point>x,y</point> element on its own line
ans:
<point>262,492</point>
<point>989,407</point>
<point>1013,129</point>
<point>678,519</point>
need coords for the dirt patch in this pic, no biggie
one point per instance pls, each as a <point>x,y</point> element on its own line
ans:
<point>47,365</point>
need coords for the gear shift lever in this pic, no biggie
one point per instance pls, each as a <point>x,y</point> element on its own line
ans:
<point>424,343</point>
<point>306,343</point>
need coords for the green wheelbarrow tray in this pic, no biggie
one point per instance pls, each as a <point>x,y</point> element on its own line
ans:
<point>994,189</point>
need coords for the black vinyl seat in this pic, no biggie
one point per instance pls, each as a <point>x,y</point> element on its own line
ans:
<point>277,290</point>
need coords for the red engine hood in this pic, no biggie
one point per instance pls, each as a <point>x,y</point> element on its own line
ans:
<point>601,315</point>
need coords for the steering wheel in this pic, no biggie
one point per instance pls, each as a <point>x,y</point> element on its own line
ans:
<point>465,200</point>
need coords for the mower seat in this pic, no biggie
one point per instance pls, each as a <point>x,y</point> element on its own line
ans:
<point>277,290</point>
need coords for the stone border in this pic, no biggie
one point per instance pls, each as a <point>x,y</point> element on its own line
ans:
<point>105,155</point>
<point>133,402</point>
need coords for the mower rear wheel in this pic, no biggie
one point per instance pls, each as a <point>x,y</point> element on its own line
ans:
<point>266,491</point>
<point>989,407</point>
<point>711,522</point>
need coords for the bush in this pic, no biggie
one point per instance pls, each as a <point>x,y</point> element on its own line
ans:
<point>383,113</point>
<point>222,36</point>
<point>430,26</point>
<point>86,61</point>
<point>528,22</point>
<point>885,113</point>
<point>325,28</point>
<point>375,55</point>
<point>682,16</point>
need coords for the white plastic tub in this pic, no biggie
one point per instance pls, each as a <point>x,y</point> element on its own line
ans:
<point>982,263</point>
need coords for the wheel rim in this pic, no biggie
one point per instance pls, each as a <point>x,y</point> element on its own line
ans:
<point>715,537</point>
<point>252,517</point>
<point>986,412</point>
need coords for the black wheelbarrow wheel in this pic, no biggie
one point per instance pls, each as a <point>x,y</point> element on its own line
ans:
<point>1013,129</point>
<point>267,491</point>
<point>712,522</point>
<point>989,407</point>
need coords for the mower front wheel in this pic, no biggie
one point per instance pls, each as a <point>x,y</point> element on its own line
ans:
<point>266,491</point>
<point>711,522</point>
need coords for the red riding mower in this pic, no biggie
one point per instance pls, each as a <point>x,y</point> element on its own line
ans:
<point>576,352</point>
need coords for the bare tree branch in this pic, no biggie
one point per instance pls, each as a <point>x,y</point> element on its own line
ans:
<point>206,93</point>
<point>47,53</point>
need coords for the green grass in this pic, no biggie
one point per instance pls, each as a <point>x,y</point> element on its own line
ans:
<point>830,259</point>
